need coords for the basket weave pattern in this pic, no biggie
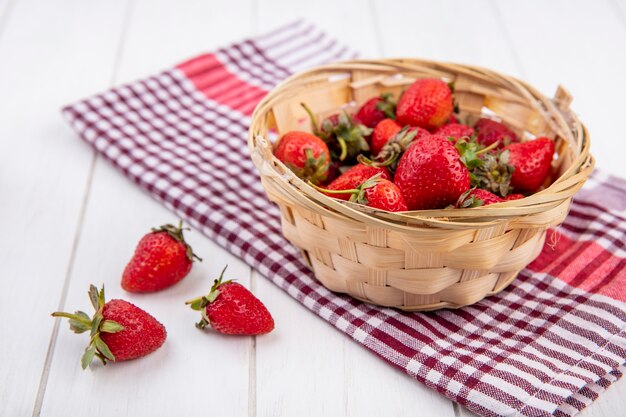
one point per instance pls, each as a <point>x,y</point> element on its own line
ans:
<point>428,259</point>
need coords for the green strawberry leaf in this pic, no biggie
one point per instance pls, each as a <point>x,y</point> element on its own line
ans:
<point>87,357</point>
<point>94,297</point>
<point>103,348</point>
<point>80,324</point>
<point>110,326</point>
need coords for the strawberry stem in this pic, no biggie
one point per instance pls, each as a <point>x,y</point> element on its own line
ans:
<point>488,148</point>
<point>80,322</point>
<point>199,303</point>
<point>176,233</point>
<point>327,191</point>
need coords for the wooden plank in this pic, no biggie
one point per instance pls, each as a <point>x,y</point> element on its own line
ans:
<point>308,368</point>
<point>49,55</point>
<point>580,45</point>
<point>192,368</point>
<point>449,30</point>
<point>350,22</point>
<point>185,375</point>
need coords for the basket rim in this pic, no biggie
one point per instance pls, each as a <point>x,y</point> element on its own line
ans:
<point>553,198</point>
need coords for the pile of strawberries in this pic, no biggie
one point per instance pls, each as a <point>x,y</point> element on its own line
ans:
<point>120,331</point>
<point>416,154</point>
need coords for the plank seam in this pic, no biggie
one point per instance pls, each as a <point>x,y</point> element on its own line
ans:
<point>43,382</point>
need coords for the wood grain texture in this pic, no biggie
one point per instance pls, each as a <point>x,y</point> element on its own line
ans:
<point>581,45</point>
<point>48,56</point>
<point>308,359</point>
<point>199,365</point>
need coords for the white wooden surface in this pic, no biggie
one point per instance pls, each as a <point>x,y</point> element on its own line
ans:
<point>68,218</point>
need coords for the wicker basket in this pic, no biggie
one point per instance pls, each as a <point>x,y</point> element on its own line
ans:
<point>427,259</point>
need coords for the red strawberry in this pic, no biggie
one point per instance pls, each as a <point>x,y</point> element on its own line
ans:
<point>230,308</point>
<point>374,192</point>
<point>354,177</point>
<point>383,131</point>
<point>514,197</point>
<point>390,143</point>
<point>376,109</point>
<point>161,259</point>
<point>431,175</point>
<point>476,198</point>
<point>426,103</point>
<point>345,137</point>
<point>119,330</point>
<point>531,161</point>
<point>489,131</point>
<point>453,119</point>
<point>455,130</point>
<point>305,154</point>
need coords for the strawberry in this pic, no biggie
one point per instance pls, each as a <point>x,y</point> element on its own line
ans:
<point>230,308</point>
<point>383,131</point>
<point>119,330</point>
<point>455,130</point>
<point>531,161</point>
<point>374,192</point>
<point>390,143</point>
<point>431,174</point>
<point>376,109</point>
<point>514,197</point>
<point>304,154</point>
<point>489,131</point>
<point>345,137</point>
<point>355,176</point>
<point>476,198</point>
<point>426,103</point>
<point>161,259</point>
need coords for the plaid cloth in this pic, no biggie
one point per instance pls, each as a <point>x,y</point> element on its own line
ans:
<point>547,345</point>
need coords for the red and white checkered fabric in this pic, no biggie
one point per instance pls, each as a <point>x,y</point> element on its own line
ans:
<point>547,345</point>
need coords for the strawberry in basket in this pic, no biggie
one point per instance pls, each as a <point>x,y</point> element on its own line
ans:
<point>345,137</point>
<point>354,177</point>
<point>374,192</point>
<point>389,141</point>
<point>375,110</point>
<point>489,131</point>
<point>455,130</point>
<point>476,198</point>
<point>521,167</point>
<point>305,154</point>
<point>427,103</point>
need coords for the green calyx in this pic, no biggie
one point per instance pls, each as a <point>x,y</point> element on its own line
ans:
<point>176,233</point>
<point>494,174</point>
<point>358,193</point>
<point>200,303</point>
<point>345,138</point>
<point>315,169</point>
<point>392,150</point>
<point>471,151</point>
<point>468,200</point>
<point>387,105</point>
<point>80,322</point>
